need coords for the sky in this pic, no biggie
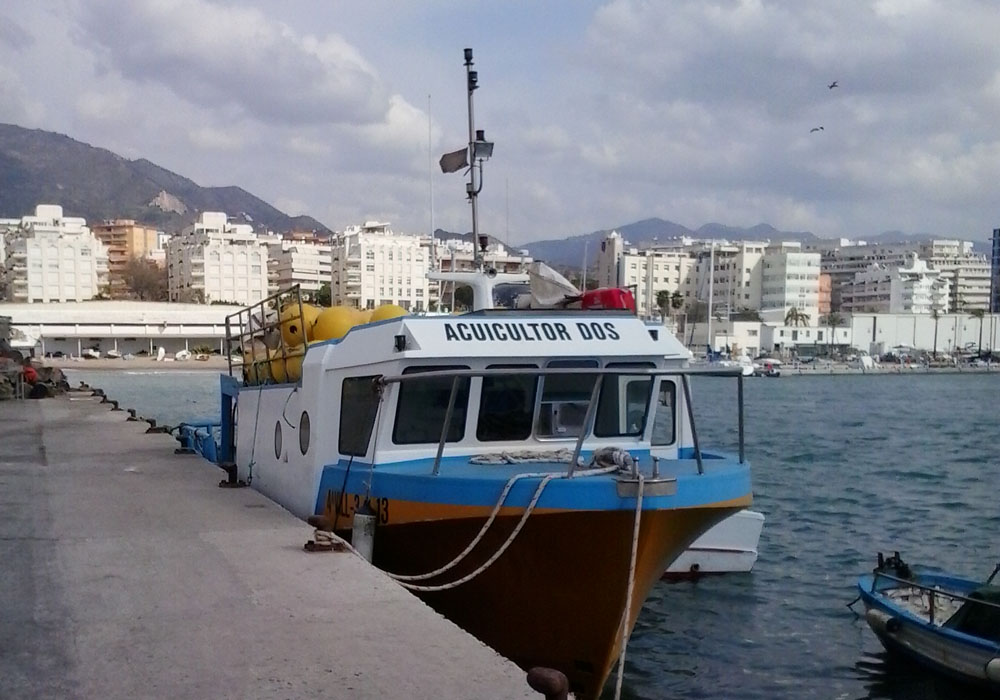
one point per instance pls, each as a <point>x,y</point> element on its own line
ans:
<point>603,113</point>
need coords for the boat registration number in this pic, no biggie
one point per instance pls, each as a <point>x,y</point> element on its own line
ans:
<point>350,503</point>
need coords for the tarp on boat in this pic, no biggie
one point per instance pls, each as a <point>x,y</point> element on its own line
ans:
<point>979,620</point>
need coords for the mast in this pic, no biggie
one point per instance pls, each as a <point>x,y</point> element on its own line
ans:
<point>479,150</point>
<point>472,79</point>
<point>711,291</point>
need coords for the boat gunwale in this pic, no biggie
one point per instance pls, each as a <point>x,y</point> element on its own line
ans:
<point>874,597</point>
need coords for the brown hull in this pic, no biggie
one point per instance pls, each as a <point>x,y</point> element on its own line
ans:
<point>556,597</point>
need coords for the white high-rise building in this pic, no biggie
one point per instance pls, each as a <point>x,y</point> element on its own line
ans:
<point>308,265</point>
<point>214,260</point>
<point>736,278</point>
<point>790,279</point>
<point>51,257</point>
<point>914,288</point>
<point>729,273</point>
<point>967,271</point>
<point>647,271</point>
<point>372,265</point>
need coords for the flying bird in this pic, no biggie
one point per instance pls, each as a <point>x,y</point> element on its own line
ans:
<point>816,128</point>
<point>833,85</point>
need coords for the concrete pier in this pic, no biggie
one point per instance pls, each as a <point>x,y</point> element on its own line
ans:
<point>125,572</point>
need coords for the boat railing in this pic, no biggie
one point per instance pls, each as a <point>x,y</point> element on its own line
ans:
<point>933,592</point>
<point>261,321</point>
<point>598,373</point>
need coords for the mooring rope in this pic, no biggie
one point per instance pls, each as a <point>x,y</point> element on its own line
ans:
<point>546,477</point>
<point>253,447</point>
<point>496,555</point>
<point>631,586</point>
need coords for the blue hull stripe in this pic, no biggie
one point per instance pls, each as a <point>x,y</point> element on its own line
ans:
<point>462,484</point>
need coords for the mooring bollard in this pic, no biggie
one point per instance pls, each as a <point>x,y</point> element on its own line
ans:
<point>549,682</point>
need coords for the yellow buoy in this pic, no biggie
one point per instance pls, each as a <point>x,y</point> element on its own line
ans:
<point>277,366</point>
<point>362,316</point>
<point>293,362</point>
<point>387,311</point>
<point>255,363</point>
<point>333,323</point>
<point>292,325</point>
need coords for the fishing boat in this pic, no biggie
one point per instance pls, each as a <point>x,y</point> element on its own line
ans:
<point>529,472</point>
<point>944,622</point>
<point>729,547</point>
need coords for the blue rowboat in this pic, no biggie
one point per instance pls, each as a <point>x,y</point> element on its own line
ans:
<point>948,624</point>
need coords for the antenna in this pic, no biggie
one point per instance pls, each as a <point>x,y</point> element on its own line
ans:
<point>430,182</point>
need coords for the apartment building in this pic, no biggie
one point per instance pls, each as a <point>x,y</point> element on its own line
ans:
<point>967,271</point>
<point>215,260</point>
<point>373,265</point>
<point>125,240</point>
<point>825,287</point>
<point>308,265</point>
<point>790,279</point>
<point>647,271</point>
<point>995,273</point>
<point>730,274</point>
<point>737,275</point>
<point>51,257</point>
<point>914,288</point>
<point>459,254</point>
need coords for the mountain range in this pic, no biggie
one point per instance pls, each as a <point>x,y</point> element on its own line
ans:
<point>42,167</point>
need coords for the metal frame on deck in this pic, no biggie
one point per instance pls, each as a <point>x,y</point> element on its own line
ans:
<point>599,374</point>
<point>251,323</point>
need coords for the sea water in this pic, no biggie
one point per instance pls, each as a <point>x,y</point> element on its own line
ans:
<point>843,467</point>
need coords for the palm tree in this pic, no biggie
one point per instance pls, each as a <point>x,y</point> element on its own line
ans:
<point>663,302</point>
<point>979,313</point>
<point>796,317</point>
<point>676,300</point>
<point>935,314</point>
<point>832,320</point>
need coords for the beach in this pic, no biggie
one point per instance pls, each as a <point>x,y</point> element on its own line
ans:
<point>214,363</point>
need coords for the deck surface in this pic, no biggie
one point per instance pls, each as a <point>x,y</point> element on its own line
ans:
<point>126,572</point>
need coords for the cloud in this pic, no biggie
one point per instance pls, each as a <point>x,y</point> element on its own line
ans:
<point>690,110</point>
<point>17,105</point>
<point>305,146</point>
<point>213,54</point>
<point>104,106</point>
<point>217,139</point>
<point>13,34</point>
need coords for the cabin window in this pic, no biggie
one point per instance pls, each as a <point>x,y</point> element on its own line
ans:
<point>563,405</point>
<point>506,405</point>
<point>423,404</point>
<point>663,420</point>
<point>359,401</point>
<point>623,403</point>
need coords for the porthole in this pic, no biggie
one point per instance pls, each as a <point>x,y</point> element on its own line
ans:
<point>277,440</point>
<point>304,433</point>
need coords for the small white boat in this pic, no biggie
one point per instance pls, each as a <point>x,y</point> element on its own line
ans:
<point>729,547</point>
